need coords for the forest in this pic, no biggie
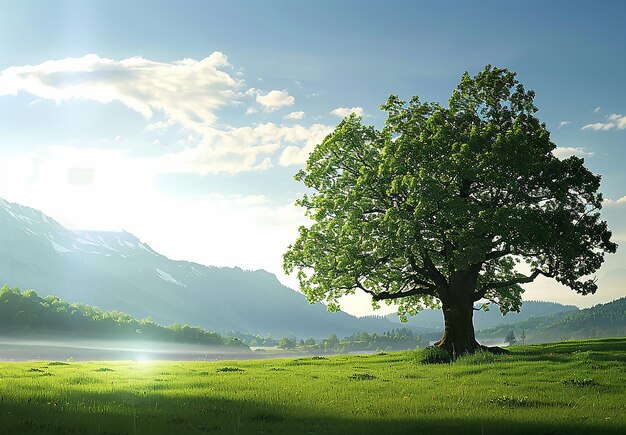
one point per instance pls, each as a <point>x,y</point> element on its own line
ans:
<point>396,339</point>
<point>26,314</point>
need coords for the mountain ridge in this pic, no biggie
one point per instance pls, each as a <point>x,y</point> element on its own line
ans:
<point>117,271</point>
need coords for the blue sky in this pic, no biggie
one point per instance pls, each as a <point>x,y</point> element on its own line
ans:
<point>184,122</point>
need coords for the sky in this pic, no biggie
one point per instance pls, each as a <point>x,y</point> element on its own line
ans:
<point>184,122</point>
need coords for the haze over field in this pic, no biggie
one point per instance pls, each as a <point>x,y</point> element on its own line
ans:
<point>185,128</point>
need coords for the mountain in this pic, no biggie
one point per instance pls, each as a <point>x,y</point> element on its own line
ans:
<point>433,319</point>
<point>117,271</point>
<point>602,320</point>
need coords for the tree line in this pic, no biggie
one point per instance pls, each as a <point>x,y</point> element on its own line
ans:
<point>600,321</point>
<point>396,339</point>
<point>25,313</point>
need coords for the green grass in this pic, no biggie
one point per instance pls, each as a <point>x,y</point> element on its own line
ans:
<point>559,388</point>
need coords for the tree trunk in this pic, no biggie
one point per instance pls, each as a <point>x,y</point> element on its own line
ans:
<point>458,337</point>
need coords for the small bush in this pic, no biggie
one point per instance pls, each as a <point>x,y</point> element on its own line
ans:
<point>411,376</point>
<point>307,360</point>
<point>434,355</point>
<point>512,402</point>
<point>362,377</point>
<point>480,357</point>
<point>230,369</point>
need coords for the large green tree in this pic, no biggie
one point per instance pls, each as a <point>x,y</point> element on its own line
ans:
<point>440,206</point>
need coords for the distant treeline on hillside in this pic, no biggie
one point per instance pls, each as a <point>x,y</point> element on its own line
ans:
<point>599,321</point>
<point>395,339</point>
<point>24,314</point>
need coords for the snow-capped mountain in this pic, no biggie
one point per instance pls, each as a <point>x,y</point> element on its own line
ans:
<point>117,271</point>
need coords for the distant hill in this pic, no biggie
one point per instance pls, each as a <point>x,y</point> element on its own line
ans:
<point>117,271</point>
<point>432,320</point>
<point>603,320</point>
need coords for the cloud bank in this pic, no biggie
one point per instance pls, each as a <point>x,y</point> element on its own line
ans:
<point>185,94</point>
<point>615,202</point>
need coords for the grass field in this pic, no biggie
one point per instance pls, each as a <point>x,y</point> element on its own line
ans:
<point>559,388</point>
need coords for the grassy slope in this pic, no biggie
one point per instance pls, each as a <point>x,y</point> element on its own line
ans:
<point>570,387</point>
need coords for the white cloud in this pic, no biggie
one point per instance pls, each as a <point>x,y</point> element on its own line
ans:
<point>294,155</point>
<point>614,202</point>
<point>597,109</point>
<point>342,112</point>
<point>618,119</point>
<point>264,165</point>
<point>187,92</point>
<point>565,152</point>
<point>295,115</point>
<point>274,100</point>
<point>614,120</point>
<point>160,126</point>
<point>564,123</point>
<point>243,147</point>
<point>599,126</point>
<point>250,110</point>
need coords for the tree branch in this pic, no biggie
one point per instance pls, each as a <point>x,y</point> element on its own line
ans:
<point>427,291</point>
<point>437,277</point>
<point>416,268</point>
<point>373,210</point>
<point>497,254</point>
<point>414,291</point>
<point>513,281</point>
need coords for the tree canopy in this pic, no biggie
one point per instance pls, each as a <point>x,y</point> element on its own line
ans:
<point>443,204</point>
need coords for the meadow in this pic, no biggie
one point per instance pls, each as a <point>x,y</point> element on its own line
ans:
<point>558,388</point>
